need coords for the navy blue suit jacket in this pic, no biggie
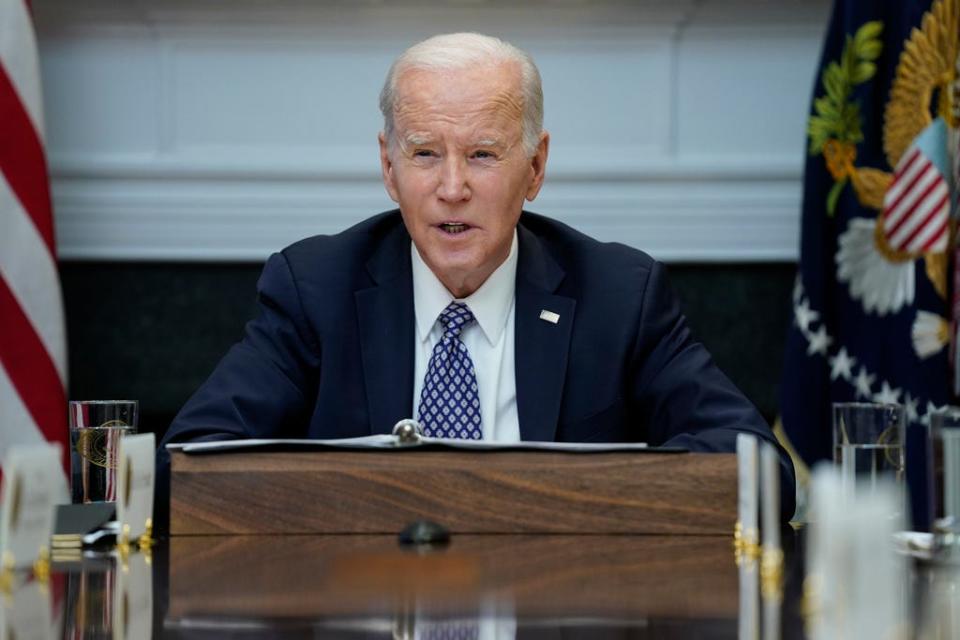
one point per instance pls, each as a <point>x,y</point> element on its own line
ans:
<point>331,353</point>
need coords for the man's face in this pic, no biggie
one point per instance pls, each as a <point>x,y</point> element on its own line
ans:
<point>458,169</point>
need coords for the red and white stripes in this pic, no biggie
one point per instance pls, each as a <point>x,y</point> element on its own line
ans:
<point>33,357</point>
<point>917,206</point>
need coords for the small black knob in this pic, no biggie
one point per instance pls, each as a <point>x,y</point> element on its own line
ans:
<point>424,532</point>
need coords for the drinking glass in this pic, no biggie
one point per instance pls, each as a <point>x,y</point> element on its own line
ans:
<point>868,441</point>
<point>945,445</point>
<point>96,427</point>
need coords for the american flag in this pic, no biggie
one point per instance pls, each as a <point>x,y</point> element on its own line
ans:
<point>33,353</point>
<point>916,207</point>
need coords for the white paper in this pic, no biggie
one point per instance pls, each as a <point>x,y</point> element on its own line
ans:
<point>135,479</point>
<point>32,483</point>
<point>387,441</point>
<point>919,544</point>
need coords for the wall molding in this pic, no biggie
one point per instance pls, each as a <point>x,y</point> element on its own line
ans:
<point>226,129</point>
<point>678,216</point>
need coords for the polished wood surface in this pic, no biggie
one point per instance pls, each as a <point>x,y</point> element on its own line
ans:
<point>320,577</point>
<point>500,586</point>
<point>492,492</point>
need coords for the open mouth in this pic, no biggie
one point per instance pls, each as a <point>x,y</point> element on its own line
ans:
<point>454,227</point>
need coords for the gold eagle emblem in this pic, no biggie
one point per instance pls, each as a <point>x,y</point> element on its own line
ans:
<point>925,87</point>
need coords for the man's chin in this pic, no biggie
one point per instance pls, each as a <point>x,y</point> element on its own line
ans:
<point>460,278</point>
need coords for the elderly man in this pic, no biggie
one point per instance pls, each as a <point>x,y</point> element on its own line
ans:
<point>460,309</point>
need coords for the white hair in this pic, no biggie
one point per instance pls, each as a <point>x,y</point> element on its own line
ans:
<point>461,50</point>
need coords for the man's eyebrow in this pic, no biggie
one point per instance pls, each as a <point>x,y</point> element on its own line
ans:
<point>417,138</point>
<point>488,142</point>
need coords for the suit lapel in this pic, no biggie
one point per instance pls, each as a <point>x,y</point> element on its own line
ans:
<point>541,347</point>
<point>387,336</point>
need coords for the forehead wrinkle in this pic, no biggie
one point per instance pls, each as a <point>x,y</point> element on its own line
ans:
<point>424,108</point>
<point>508,103</point>
<point>416,112</point>
<point>413,101</point>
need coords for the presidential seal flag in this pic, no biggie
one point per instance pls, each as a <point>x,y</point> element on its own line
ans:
<point>872,299</point>
<point>33,355</point>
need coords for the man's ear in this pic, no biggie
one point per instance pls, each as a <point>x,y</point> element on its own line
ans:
<point>386,168</point>
<point>538,166</point>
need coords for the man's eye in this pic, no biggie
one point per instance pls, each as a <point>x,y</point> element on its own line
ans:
<point>483,155</point>
<point>422,153</point>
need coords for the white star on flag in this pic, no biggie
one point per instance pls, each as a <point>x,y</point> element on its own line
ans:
<point>819,342</point>
<point>931,409</point>
<point>863,383</point>
<point>887,395</point>
<point>841,365</point>
<point>805,315</point>
<point>910,404</point>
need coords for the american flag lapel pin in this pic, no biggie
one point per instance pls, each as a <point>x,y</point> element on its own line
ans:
<point>549,316</point>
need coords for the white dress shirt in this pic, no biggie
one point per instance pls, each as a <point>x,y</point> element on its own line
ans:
<point>489,340</point>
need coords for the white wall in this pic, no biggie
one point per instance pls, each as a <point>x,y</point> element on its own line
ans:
<point>225,129</point>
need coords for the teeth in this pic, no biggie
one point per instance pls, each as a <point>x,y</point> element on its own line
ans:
<point>453,227</point>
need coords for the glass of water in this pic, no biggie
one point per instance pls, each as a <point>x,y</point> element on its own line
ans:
<point>96,427</point>
<point>945,450</point>
<point>868,441</point>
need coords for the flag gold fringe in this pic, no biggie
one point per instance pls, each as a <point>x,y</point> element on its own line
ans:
<point>800,468</point>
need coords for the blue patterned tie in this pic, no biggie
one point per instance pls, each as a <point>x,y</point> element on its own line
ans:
<point>449,402</point>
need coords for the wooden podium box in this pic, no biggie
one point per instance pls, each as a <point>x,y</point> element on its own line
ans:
<point>508,492</point>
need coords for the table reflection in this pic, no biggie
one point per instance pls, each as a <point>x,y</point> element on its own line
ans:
<point>89,597</point>
<point>478,586</point>
<point>600,576</point>
<point>26,609</point>
<point>936,596</point>
<point>106,595</point>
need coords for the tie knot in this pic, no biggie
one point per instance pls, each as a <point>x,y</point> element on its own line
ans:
<point>455,317</point>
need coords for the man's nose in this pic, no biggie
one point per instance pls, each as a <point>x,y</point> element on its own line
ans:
<point>453,185</point>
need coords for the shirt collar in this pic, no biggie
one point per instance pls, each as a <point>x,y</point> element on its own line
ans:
<point>490,304</point>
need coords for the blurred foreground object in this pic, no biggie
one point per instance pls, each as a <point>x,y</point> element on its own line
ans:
<point>856,581</point>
